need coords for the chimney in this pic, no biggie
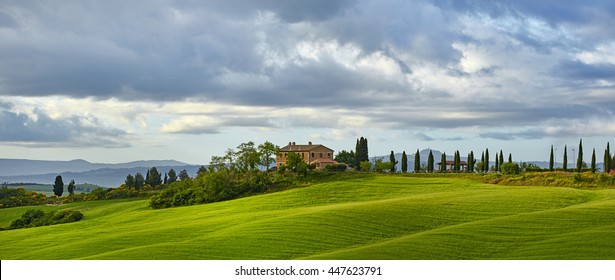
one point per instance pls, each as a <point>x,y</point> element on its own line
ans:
<point>290,143</point>
<point>310,143</point>
<point>294,143</point>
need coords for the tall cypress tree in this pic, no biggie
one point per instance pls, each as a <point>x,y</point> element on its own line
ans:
<point>482,162</point>
<point>510,157</point>
<point>404,162</point>
<point>501,158</point>
<point>417,161</point>
<point>357,155</point>
<point>580,156</point>
<point>486,160</point>
<point>393,162</point>
<point>607,159</point>
<point>443,162</point>
<point>430,161</point>
<point>565,164</point>
<point>551,160</point>
<point>593,167</point>
<point>497,163</point>
<point>471,162</point>
<point>58,186</point>
<point>456,162</point>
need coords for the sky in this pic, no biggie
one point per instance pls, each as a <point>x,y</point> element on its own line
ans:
<point>117,81</point>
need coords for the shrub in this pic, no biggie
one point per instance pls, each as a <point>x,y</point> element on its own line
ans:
<point>37,218</point>
<point>509,168</point>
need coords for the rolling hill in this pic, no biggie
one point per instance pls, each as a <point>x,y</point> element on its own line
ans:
<point>374,217</point>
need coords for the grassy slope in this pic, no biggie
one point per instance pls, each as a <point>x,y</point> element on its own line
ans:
<point>367,218</point>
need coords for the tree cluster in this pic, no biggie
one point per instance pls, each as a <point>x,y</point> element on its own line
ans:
<point>361,153</point>
<point>37,218</point>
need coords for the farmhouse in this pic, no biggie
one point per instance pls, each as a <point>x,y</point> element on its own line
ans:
<point>450,165</point>
<point>316,154</point>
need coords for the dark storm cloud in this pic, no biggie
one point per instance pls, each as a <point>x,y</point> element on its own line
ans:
<point>245,52</point>
<point>41,130</point>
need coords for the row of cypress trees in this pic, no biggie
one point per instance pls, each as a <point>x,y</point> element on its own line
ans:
<point>609,163</point>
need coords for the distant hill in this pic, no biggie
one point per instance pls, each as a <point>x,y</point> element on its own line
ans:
<point>12,167</point>
<point>102,174</point>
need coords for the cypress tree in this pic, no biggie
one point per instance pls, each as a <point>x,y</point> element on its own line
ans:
<point>430,161</point>
<point>486,160</point>
<point>58,186</point>
<point>357,155</point>
<point>580,156</point>
<point>593,161</point>
<point>471,162</point>
<point>417,161</point>
<point>551,160</point>
<point>497,163</point>
<point>565,164</point>
<point>510,157</point>
<point>607,159</point>
<point>501,158</point>
<point>443,162</point>
<point>393,162</point>
<point>456,162</point>
<point>404,162</point>
<point>482,161</point>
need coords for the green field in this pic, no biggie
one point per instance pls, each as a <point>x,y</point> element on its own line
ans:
<point>368,217</point>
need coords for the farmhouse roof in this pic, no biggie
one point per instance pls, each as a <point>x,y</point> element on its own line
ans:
<point>292,147</point>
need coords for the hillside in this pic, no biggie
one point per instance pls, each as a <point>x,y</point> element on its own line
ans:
<point>376,217</point>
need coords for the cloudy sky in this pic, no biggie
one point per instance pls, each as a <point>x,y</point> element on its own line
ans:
<point>115,81</point>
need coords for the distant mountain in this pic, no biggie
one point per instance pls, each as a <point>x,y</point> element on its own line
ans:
<point>14,167</point>
<point>102,174</point>
<point>106,177</point>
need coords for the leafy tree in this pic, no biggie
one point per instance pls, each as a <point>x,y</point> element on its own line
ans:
<point>430,162</point>
<point>155,178</point>
<point>129,183</point>
<point>580,156</point>
<point>71,187</point>
<point>381,166</point>
<point>593,166</point>
<point>58,186</point>
<point>551,160</point>
<point>302,168</point>
<point>565,166</point>
<point>202,170</point>
<point>139,181</point>
<point>230,157</point>
<point>417,161</point>
<point>393,162</point>
<point>346,157</point>
<point>248,157</point>
<point>510,168</point>
<point>292,161</point>
<point>365,166</point>
<point>267,153</point>
<point>404,162</point>
<point>183,175</point>
<point>172,176</point>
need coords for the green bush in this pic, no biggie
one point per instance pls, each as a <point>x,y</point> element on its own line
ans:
<point>509,168</point>
<point>37,218</point>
